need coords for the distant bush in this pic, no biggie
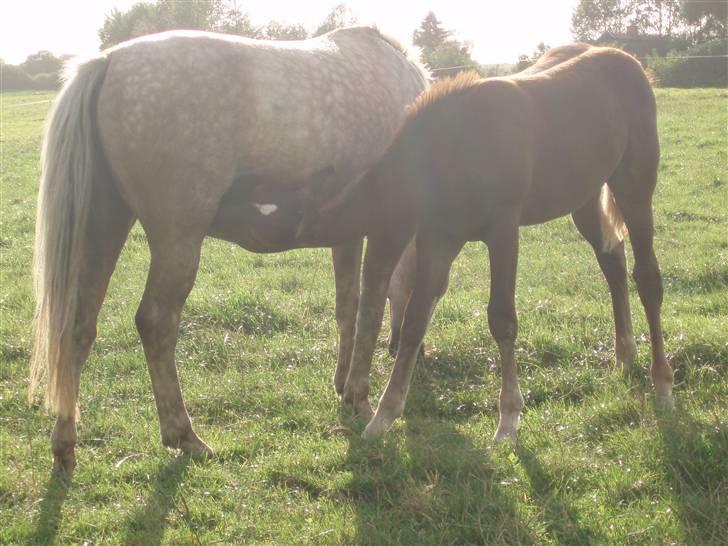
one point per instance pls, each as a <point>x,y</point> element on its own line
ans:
<point>47,81</point>
<point>15,78</point>
<point>699,66</point>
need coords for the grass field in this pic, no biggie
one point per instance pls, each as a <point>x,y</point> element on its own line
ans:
<point>595,464</point>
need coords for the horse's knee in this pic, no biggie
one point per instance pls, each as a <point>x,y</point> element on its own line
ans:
<point>502,321</point>
<point>150,324</point>
<point>613,262</point>
<point>649,282</point>
<point>144,323</point>
<point>346,308</point>
<point>84,334</point>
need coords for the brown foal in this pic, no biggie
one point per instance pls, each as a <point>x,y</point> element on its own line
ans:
<point>476,159</point>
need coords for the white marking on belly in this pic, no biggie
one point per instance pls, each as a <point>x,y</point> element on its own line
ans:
<point>265,210</point>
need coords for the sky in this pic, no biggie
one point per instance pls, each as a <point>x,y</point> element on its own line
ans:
<point>498,30</point>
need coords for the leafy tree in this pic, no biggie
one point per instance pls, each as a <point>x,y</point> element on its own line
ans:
<point>150,16</point>
<point>147,17</point>
<point>120,26</point>
<point>279,31</point>
<point>439,50</point>
<point>340,16</point>
<point>430,35</point>
<point>524,61</point>
<point>592,18</point>
<point>698,20</point>
<point>43,62</point>
<point>708,17</point>
<point>658,17</point>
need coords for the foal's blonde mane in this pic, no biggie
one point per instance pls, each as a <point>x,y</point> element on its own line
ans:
<point>444,87</point>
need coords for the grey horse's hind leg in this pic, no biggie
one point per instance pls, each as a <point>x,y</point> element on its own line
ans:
<point>347,272</point>
<point>171,276</point>
<point>108,226</point>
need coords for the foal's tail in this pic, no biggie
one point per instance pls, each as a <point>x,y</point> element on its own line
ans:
<point>69,159</point>
<point>611,221</point>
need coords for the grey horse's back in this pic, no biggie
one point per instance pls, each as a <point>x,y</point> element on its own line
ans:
<point>281,108</point>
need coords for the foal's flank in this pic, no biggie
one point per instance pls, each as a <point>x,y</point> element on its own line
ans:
<point>476,159</point>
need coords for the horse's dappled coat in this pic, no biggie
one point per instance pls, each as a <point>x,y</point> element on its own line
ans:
<point>196,134</point>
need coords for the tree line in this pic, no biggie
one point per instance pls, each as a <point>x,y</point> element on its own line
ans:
<point>694,21</point>
<point>682,42</point>
<point>661,32</point>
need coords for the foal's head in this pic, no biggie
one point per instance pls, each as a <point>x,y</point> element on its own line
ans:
<point>332,209</point>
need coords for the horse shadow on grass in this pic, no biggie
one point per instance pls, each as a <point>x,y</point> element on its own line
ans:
<point>147,524</point>
<point>436,486</point>
<point>49,518</point>
<point>561,519</point>
<point>432,485</point>
<point>696,469</point>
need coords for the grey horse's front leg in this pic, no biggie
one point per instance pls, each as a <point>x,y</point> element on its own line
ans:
<point>381,258</point>
<point>347,272</point>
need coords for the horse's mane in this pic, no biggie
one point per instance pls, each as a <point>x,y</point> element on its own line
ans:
<point>412,56</point>
<point>444,87</point>
<point>555,56</point>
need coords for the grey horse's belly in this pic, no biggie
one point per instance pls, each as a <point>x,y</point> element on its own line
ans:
<point>259,216</point>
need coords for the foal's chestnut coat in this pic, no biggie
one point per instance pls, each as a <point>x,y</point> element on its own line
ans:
<point>475,160</point>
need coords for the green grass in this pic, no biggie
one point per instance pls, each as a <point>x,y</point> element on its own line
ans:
<point>594,464</point>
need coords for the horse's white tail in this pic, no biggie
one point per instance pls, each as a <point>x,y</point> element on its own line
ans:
<point>70,149</point>
<point>611,222</point>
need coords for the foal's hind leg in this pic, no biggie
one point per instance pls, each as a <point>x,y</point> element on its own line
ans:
<point>633,184</point>
<point>503,253</point>
<point>174,263</point>
<point>347,272</point>
<point>614,267</point>
<point>637,212</point>
<point>108,226</point>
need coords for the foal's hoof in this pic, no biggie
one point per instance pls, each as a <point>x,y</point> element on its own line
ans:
<point>361,409</point>
<point>358,406</point>
<point>191,445</point>
<point>376,428</point>
<point>505,436</point>
<point>664,403</point>
<point>197,449</point>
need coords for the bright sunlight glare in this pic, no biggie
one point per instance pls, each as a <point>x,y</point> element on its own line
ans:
<point>498,31</point>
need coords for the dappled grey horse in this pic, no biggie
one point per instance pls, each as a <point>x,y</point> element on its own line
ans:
<point>196,134</point>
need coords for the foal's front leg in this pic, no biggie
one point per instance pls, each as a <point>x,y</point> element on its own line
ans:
<point>434,259</point>
<point>503,251</point>
<point>400,289</point>
<point>381,258</point>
